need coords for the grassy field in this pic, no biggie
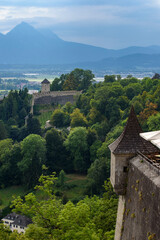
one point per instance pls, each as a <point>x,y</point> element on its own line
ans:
<point>76,185</point>
<point>73,190</point>
<point>45,116</point>
<point>6,195</point>
<point>45,113</point>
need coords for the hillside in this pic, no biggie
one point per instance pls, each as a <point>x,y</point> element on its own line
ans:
<point>26,45</point>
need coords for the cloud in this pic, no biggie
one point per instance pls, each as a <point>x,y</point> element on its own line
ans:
<point>97,22</point>
<point>64,3</point>
<point>153,3</point>
<point>109,14</point>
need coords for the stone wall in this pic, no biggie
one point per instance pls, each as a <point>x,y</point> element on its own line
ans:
<point>57,97</point>
<point>54,99</point>
<point>141,216</point>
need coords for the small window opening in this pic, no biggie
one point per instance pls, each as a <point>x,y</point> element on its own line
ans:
<point>125,169</point>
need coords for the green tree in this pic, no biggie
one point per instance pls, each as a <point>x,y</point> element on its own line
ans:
<point>33,149</point>
<point>3,131</point>
<point>56,153</point>
<point>92,218</point>
<point>76,143</point>
<point>10,155</point>
<point>60,118</point>
<point>78,79</point>
<point>153,122</point>
<point>33,125</point>
<point>78,119</point>
<point>98,172</point>
<point>70,83</point>
<point>109,78</point>
<point>61,178</point>
<point>56,85</point>
<point>93,150</point>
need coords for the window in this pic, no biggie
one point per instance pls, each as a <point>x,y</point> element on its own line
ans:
<point>125,169</point>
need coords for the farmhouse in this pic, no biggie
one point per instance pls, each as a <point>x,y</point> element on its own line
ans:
<point>17,222</point>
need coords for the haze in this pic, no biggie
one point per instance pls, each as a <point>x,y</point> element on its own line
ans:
<point>104,23</point>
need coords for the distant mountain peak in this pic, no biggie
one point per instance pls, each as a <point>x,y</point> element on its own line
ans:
<point>22,29</point>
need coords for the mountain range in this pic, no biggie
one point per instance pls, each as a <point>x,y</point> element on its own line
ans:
<point>26,45</point>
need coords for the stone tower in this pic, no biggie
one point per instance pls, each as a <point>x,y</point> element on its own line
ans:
<point>45,86</point>
<point>123,151</point>
<point>127,145</point>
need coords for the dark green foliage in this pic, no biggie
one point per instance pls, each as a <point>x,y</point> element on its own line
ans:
<point>16,105</point>
<point>60,118</point>
<point>98,172</point>
<point>93,150</point>
<point>57,83</point>
<point>3,131</point>
<point>33,150</point>
<point>78,79</point>
<point>156,76</point>
<point>76,144</point>
<point>10,155</point>
<point>33,125</point>
<point>57,158</point>
<point>61,178</point>
<point>78,119</point>
<point>90,218</point>
<point>153,122</point>
<point>109,78</point>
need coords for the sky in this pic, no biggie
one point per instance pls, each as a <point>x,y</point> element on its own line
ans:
<point>110,24</point>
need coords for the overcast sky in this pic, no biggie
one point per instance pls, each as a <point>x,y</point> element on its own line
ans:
<point>106,23</point>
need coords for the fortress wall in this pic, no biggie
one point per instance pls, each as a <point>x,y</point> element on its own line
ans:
<point>60,97</point>
<point>141,219</point>
<point>56,93</point>
<point>54,99</point>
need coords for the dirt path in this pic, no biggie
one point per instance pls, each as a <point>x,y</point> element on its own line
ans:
<point>73,177</point>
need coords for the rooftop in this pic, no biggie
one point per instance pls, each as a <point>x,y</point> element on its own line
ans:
<point>130,140</point>
<point>153,137</point>
<point>45,81</point>
<point>19,220</point>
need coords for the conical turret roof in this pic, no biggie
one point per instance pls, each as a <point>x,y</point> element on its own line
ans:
<point>130,140</point>
<point>45,81</point>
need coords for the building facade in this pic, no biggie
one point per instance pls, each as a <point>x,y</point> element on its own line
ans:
<point>16,222</point>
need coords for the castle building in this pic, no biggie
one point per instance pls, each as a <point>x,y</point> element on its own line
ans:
<point>53,97</point>
<point>135,177</point>
<point>45,86</point>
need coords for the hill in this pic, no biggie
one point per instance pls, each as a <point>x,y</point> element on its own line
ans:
<point>26,45</point>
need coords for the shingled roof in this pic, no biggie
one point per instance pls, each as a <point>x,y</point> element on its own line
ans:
<point>45,81</point>
<point>130,140</point>
<point>18,219</point>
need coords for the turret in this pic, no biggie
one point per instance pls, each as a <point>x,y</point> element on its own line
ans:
<point>45,86</point>
<point>127,145</point>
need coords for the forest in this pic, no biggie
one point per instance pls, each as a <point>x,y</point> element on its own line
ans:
<point>76,142</point>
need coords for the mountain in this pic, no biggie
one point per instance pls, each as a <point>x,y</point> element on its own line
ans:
<point>134,62</point>
<point>26,45</point>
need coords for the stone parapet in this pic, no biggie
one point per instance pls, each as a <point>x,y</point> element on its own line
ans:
<point>56,94</point>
